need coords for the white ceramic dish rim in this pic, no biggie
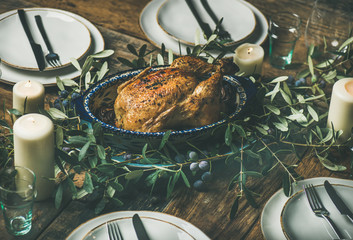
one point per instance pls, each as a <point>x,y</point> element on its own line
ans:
<point>82,29</point>
<point>11,75</point>
<point>82,230</point>
<point>333,213</point>
<point>157,36</point>
<point>170,31</point>
<point>270,216</point>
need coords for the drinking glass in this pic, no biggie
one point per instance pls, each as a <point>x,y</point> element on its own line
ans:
<point>17,194</point>
<point>328,26</point>
<point>284,31</point>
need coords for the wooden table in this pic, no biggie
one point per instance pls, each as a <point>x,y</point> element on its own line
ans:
<point>118,22</point>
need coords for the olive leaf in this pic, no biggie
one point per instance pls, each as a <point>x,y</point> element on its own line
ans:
<point>59,83</point>
<point>164,139</point>
<point>103,54</point>
<point>346,43</point>
<point>100,206</point>
<point>83,150</point>
<point>313,113</point>
<point>185,179</point>
<point>59,196</point>
<point>142,51</point>
<point>279,79</point>
<point>59,136</point>
<point>88,184</point>
<point>325,64</point>
<point>273,109</point>
<point>160,60</point>
<point>302,74</point>
<point>132,49</point>
<point>57,114</point>
<point>287,184</point>
<point>171,184</point>
<point>239,129</point>
<point>68,83</point>
<point>250,198</point>
<point>126,62</point>
<point>311,65</point>
<point>234,208</point>
<point>330,165</point>
<point>117,186</point>
<point>136,174</point>
<point>75,63</point>
<point>106,168</point>
<point>228,135</point>
<point>103,71</point>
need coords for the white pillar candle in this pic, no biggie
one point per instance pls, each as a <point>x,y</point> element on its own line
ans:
<point>249,58</point>
<point>341,107</point>
<point>34,149</point>
<point>33,91</point>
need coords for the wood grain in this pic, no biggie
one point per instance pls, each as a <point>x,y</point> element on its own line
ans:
<point>118,22</point>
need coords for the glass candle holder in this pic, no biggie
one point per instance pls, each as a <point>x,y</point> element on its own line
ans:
<point>17,194</point>
<point>284,31</point>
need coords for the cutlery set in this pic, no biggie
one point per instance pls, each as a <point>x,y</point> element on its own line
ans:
<point>52,58</point>
<point>340,205</point>
<point>115,234</point>
<point>319,209</point>
<point>223,34</point>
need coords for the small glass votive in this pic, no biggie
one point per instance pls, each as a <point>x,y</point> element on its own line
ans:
<point>249,58</point>
<point>17,194</point>
<point>284,31</point>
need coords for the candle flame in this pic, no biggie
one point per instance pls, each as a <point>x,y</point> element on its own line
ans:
<point>349,87</point>
<point>28,83</point>
<point>250,50</point>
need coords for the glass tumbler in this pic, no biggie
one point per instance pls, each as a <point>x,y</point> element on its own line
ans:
<point>17,194</point>
<point>284,31</point>
<point>328,26</point>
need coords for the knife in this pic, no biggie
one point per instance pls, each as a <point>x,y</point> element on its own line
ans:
<point>211,13</point>
<point>204,26</point>
<point>139,228</point>
<point>341,206</point>
<point>37,49</point>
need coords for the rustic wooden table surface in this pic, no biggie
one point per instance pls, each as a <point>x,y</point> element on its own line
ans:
<point>118,21</point>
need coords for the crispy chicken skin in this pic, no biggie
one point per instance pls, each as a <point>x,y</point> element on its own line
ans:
<point>173,98</point>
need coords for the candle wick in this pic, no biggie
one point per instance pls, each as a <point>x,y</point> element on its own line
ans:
<point>28,83</point>
<point>249,50</point>
<point>32,119</point>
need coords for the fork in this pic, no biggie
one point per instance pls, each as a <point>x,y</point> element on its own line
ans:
<point>204,26</point>
<point>114,231</point>
<point>222,33</point>
<point>319,209</point>
<point>52,58</point>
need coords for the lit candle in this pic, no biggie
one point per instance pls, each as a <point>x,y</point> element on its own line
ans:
<point>249,58</point>
<point>33,91</point>
<point>34,149</point>
<point>340,113</point>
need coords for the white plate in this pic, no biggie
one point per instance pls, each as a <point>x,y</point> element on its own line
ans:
<point>297,209</point>
<point>175,17</point>
<point>159,226</point>
<point>69,38</point>
<point>149,25</point>
<point>271,214</point>
<point>48,78</point>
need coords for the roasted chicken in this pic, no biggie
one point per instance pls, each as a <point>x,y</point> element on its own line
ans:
<point>185,95</point>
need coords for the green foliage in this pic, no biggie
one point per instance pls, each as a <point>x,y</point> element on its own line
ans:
<point>281,118</point>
